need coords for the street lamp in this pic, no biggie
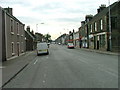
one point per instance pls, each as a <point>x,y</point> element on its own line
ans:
<point>37,26</point>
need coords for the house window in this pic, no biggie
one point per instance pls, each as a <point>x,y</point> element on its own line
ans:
<point>12,48</point>
<point>11,26</point>
<point>22,30</point>
<point>101,24</point>
<point>88,20</point>
<point>91,28</point>
<point>95,26</point>
<point>17,28</point>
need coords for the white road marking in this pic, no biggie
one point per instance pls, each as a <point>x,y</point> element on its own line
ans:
<point>43,81</point>
<point>2,67</point>
<point>108,71</point>
<point>36,61</point>
<point>111,73</point>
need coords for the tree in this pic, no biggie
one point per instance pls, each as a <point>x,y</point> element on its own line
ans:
<point>47,37</point>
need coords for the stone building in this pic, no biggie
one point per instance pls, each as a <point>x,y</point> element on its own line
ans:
<point>13,34</point>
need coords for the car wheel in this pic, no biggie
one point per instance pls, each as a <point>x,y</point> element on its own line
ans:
<point>47,52</point>
<point>37,54</point>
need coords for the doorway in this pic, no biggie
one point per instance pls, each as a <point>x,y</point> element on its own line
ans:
<point>18,48</point>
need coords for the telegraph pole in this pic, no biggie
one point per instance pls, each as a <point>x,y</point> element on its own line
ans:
<point>36,27</point>
<point>110,43</point>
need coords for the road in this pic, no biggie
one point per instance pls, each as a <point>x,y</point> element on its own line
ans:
<point>68,68</point>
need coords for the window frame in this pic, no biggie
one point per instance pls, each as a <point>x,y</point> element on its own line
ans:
<point>11,26</point>
<point>101,24</point>
<point>91,28</point>
<point>18,31</point>
<point>13,48</point>
<point>22,30</point>
<point>95,26</point>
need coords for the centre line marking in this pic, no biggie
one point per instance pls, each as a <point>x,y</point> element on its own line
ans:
<point>1,67</point>
<point>43,81</point>
<point>35,61</point>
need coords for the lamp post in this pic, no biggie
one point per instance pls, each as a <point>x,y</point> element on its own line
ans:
<point>37,26</point>
<point>109,26</point>
<point>37,35</point>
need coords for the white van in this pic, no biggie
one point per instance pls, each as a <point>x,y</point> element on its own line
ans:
<point>42,48</point>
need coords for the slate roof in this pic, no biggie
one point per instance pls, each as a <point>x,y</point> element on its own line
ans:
<point>104,12</point>
<point>30,35</point>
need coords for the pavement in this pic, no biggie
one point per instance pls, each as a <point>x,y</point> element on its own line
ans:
<point>17,64</point>
<point>100,51</point>
<point>13,66</point>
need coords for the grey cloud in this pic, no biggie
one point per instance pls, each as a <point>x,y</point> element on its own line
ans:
<point>29,19</point>
<point>48,6</point>
<point>77,19</point>
<point>14,2</point>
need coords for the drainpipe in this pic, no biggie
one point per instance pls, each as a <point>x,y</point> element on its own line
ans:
<point>87,37</point>
<point>5,35</point>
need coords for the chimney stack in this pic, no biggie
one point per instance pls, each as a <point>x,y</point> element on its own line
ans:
<point>73,30</point>
<point>28,28</point>
<point>88,17</point>
<point>82,23</point>
<point>32,32</point>
<point>102,7</point>
<point>9,10</point>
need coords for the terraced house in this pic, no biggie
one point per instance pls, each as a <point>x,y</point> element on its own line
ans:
<point>97,29</point>
<point>13,34</point>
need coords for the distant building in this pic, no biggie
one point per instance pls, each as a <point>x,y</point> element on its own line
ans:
<point>30,40</point>
<point>83,35</point>
<point>71,36</point>
<point>66,39</point>
<point>76,39</point>
<point>62,39</point>
<point>39,37</point>
<point>13,34</point>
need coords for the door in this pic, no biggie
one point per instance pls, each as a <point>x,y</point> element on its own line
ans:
<point>97,44</point>
<point>18,48</point>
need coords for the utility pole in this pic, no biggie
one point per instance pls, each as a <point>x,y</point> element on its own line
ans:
<point>110,43</point>
<point>36,27</point>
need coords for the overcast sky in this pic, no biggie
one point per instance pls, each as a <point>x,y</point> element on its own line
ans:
<point>58,16</point>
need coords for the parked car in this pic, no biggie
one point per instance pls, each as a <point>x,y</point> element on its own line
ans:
<point>70,45</point>
<point>42,48</point>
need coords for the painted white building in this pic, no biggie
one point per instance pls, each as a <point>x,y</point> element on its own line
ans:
<point>76,39</point>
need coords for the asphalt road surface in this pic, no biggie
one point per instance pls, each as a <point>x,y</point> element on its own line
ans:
<point>68,68</point>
